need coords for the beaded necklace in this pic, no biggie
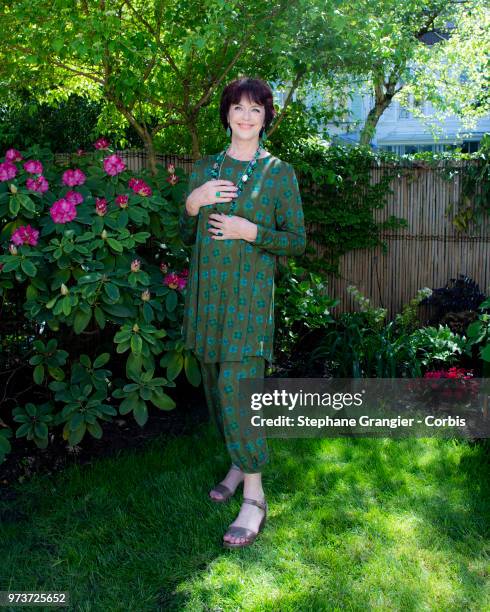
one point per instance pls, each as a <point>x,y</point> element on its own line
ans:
<point>216,172</point>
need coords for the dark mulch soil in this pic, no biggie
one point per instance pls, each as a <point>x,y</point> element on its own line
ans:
<point>123,432</point>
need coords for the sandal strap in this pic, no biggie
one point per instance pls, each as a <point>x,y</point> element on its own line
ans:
<point>241,532</point>
<point>235,467</point>
<point>223,489</point>
<point>256,502</point>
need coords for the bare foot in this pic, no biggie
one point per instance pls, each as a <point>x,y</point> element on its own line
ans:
<point>231,480</point>
<point>249,517</point>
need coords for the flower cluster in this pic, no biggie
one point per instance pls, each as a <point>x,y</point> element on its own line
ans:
<point>39,184</point>
<point>175,280</point>
<point>445,387</point>
<point>25,234</point>
<point>63,211</point>
<point>173,178</point>
<point>73,177</point>
<point>102,143</point>
<point>140,187</point>
<point>101,206</point>
<point>122,201</point>
<point>453,372</point>
<point>8,171</point>
<point>114,165</point>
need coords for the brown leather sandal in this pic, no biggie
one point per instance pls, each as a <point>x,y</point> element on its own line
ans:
<point>223,489</point>
<point>245,532</point>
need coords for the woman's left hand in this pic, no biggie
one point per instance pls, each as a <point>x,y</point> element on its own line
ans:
<point>231,227</point>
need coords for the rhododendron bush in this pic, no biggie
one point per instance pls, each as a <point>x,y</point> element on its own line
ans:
<point>96,252</point>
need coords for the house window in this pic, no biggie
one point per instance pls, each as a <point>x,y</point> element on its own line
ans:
<point>470,146</point>
<point>404,113</point>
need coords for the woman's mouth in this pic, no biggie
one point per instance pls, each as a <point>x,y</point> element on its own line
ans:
<point>244,126</point>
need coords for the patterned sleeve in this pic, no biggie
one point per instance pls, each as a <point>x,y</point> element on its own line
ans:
<point>290,237</point>
<point>188,223</point>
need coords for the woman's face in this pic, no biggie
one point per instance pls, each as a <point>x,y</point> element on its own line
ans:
<point>246,119</point>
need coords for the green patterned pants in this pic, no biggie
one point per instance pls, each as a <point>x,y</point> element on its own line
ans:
<point>246,445</point>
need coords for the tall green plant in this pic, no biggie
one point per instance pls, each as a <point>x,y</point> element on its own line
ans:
<point>82,245</point>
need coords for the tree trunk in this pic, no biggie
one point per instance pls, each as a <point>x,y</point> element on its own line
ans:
<point>383,95</point>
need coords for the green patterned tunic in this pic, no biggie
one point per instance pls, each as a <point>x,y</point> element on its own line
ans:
<point>229,301</point>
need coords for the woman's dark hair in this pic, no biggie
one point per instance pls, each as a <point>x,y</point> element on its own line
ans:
<point>256,90</point>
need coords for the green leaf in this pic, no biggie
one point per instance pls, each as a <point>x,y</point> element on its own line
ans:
<point>101,360</point>
<point>118,310</point>
<point>56,373</point>
<point>175,365</point>
<point>13,264</point>
<point>23,430</point>
<point>99,317</point>
<point>171,300</point>
<point>76,436</point>
<point>141,413</point>
<point>14,205</point>
<point>76,420</point>
<point>95,429</point>
<point>115,245</point>
<point>123,219</point>
<point>133,365</point>
<point>129,404</point>
<point>66,305</point>
<point>41,430</point>
<point>112,291</point>
<point>485,353</point>
<point>162,400</point>
<point>136,343</point>
<point>192,369</point>
<point>38,374</point>
<point>81,321</point>
<point>28,267</point>
<point>122,335</point>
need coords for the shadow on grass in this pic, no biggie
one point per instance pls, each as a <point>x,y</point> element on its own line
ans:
<point>354,523</point>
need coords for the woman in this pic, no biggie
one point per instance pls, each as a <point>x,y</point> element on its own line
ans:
<point>243,208</point>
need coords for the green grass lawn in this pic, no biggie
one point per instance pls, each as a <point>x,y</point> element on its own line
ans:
<point>354,525</point>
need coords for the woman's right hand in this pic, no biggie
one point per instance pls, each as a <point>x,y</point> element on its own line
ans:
<point>206,194</point>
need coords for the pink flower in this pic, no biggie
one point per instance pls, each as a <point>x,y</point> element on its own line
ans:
<point>39,184</point>
<point>140,187</point>
<point>74,197</point>
<point>100,206</point>
<point>171,169</point>
<point>114,165</point>
<point>63,211</point>
<point>172,179</point>
<point>171,280</point>
<point>122,201</point>
<point>164,267</point>
<point>80,152</point>
<point>135,265</point>
<point>184,273</point>
<point>7,171</point>
<point>33,167</point>
<point>73,177</point>
<point>182,282</point>
<point>433,375</point>
<point>12,155</point>
<point>25,234</point>
<point>101,143</point>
